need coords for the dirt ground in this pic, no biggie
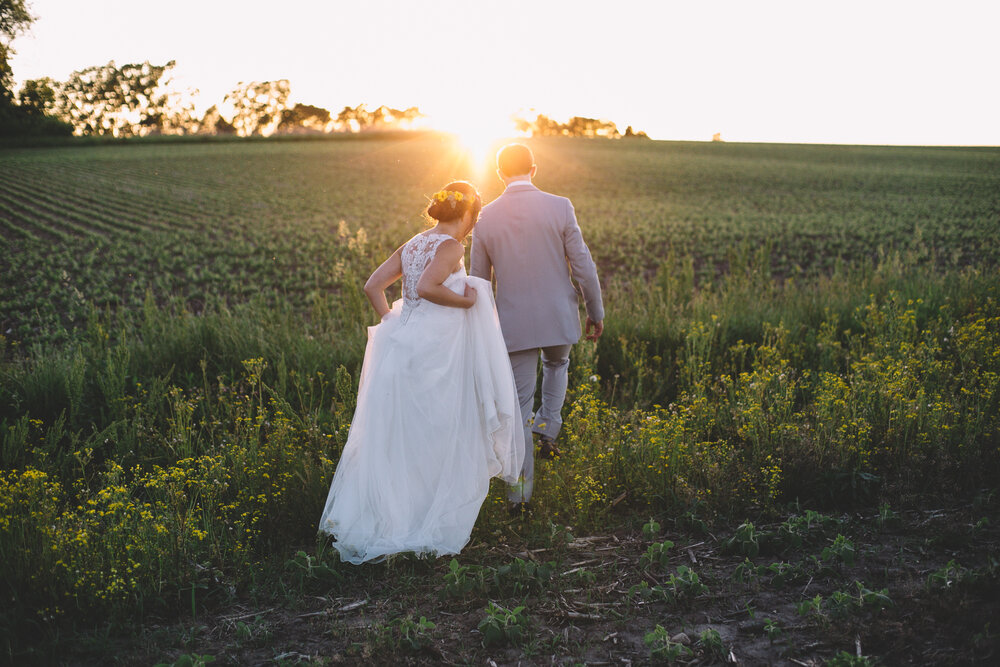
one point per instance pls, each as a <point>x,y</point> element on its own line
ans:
<point>917,587</point>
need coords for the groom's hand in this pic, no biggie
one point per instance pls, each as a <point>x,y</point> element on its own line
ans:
<point>594,329</point>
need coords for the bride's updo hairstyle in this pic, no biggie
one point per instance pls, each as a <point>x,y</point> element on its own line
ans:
<point>452,202</point>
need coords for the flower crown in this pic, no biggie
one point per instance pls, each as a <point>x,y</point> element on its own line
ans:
<point>454,196</point>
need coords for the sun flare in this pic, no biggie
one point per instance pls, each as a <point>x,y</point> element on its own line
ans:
<point>478,137</point>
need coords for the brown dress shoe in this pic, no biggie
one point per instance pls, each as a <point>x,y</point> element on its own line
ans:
<point>547,449</point>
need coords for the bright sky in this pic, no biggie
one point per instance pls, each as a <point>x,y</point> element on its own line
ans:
<point>844,71</point>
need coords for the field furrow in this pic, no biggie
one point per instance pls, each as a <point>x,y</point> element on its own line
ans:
<point>108,191</point>
<point>83,225</point>
<point>15,215</point>
<point>91,197</point>
<point>13,230</point>
<point>71,208</point>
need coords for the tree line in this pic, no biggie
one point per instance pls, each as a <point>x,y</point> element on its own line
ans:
<point>135,100</point>
<point>141,99</point>
<point>577,126</point>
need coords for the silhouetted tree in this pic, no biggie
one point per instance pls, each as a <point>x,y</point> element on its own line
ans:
<point>408,116</point>
<point>214,123</point>
<point>632,134</point>
<point>353,119</point>
<point>257,106</point>
<point>388,118</point>
<point>14,19</point>
<point>360,119</point>
<point>304,118</point>
<point>541,126</point>
<point>18,119</point>
<point>173,112</point>
<point>37,96</point>
<point>131,100</point>
<point>577,126</point>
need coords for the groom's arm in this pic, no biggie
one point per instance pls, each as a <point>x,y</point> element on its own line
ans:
<point>481,267</point>
<point>582,265</point>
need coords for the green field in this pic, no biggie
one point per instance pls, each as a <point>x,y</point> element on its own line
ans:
<point>102,226</point>
<point>804,338</point>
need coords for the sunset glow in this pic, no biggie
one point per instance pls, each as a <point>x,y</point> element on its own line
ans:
<point>890,72</point>
<point>479,138</point>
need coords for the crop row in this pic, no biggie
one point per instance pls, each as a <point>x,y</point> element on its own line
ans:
<point>289,220</point>
<point>63,198</point>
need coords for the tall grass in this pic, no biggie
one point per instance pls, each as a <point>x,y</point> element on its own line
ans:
<point>153,466</point>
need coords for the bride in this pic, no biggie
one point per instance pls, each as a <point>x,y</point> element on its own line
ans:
<point>437,413</point>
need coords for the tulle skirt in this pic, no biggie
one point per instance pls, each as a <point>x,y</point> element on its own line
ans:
<point>437,416</point>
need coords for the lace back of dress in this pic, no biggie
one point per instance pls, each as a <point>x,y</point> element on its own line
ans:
<point>417,254</point>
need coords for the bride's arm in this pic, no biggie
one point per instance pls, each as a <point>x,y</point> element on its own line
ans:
<point>431,283</point>
<point>386,274</point>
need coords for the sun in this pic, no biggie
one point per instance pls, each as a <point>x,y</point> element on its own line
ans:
<point>478,136</point>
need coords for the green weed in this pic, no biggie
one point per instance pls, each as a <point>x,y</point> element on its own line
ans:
<point>657,554</point>
<point>503,626</point>
<point>662,649</point>
<point>683,585</point>
<point>305,567</point>
<point>947,576</point>
<point>744,541</point>
<point>813,605</point>
<point>414,635</point>
<point>711,642</point>
<point>462,579</point>
<point>746,572</point>
<point>840,551</point>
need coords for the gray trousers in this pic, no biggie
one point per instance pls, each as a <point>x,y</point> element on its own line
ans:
<point>548,420</point>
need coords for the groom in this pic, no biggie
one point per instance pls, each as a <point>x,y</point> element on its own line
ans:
<point>530,243</point>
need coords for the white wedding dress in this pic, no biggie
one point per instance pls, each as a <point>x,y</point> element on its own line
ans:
<point>437,417</point>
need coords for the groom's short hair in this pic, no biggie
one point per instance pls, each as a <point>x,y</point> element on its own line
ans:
<point>515,160</point>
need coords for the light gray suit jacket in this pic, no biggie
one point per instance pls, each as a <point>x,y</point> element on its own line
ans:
<point>530,243</point>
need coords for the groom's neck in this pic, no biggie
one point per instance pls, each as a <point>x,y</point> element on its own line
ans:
<point>520,178</point>
<point>517,178</point>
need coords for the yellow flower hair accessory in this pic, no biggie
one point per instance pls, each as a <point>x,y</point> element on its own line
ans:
<point>454,196</point>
